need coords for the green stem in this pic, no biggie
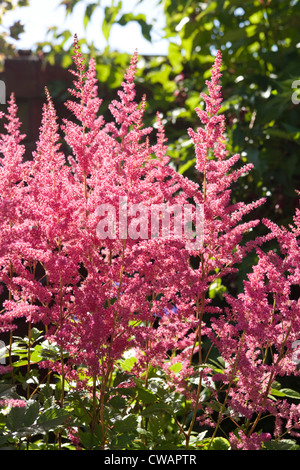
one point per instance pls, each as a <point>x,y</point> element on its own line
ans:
<point>28,356</point>
<point>270,381</point>
<point>235,366</point>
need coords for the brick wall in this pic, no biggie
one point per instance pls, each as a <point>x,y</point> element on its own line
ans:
<point>26,76</point>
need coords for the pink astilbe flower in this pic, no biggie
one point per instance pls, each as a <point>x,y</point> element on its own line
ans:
<point>126,111</point>
<point>102,288</point>
<point>11,171</point>
<point>48,201</point>
<point>223,247</point>
<point>206,139</point>
<point>254,442</point>
<point>123,272</point>
<point>12,175</point>
<point>257,334</point>
<point>83,136</point>
<point>93,293</point>
<point>5,369</point>
<point>13,403</point>
<point>11,148</point>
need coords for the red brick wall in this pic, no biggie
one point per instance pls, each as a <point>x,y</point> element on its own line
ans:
<point>27,76</point>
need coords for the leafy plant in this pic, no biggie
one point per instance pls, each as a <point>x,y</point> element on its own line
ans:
<point>132,340</point>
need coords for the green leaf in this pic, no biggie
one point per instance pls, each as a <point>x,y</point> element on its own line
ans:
<point>88,13</point>
<point>110,14</point>
<point>288,392</point>
<point>145,396</point>
<point>175,57</point>
<point>126,425</point>
<point>36,355</point>
<point>141,20</point>
<point>277,393</point>
<point>128,363</point>
<point>220,443</point>
<point>252,155</point>
<point>35,334</point>
<point>90,440</point>
<point>216,288</point>
<point>7,391</point>
<point>284,444</point>
<point>15,418</point>
<point>176,368</point>
<point>50,350</point>
<point>32,413</point>
<point>24,362</point>
<point>183,168</point>
<point>69,4</point>
<point>3,440</point>
<point>145,27</point>
<point>16,29</point>
<point>117,402</point>
<point>123,441</point>
<point>157,409</point>
<point>52,418</point>
<point>273,132</point>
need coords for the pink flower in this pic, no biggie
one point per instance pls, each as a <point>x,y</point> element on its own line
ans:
<point>5,369</point>
<point>253,442</point>
<point>12,403</point>
<point>102,288</point>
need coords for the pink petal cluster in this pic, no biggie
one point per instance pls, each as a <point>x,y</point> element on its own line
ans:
<point>101,297</point>
<point>253,442</point>
<point>12,403</point>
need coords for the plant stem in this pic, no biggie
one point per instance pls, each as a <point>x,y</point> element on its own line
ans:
<point>235,366</point>
<point>28,356</point>
<point>270,381</point>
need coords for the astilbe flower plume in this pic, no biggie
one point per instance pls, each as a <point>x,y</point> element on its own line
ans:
<point>92,291</point>
<point>223,236</point>
<point>12,174</point>
<point>92,294</point>
<point>101,291</point>
<point>257,334</point>
<point>124,272</point>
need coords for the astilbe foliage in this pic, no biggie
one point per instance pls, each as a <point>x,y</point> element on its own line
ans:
<point>99,297</point>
